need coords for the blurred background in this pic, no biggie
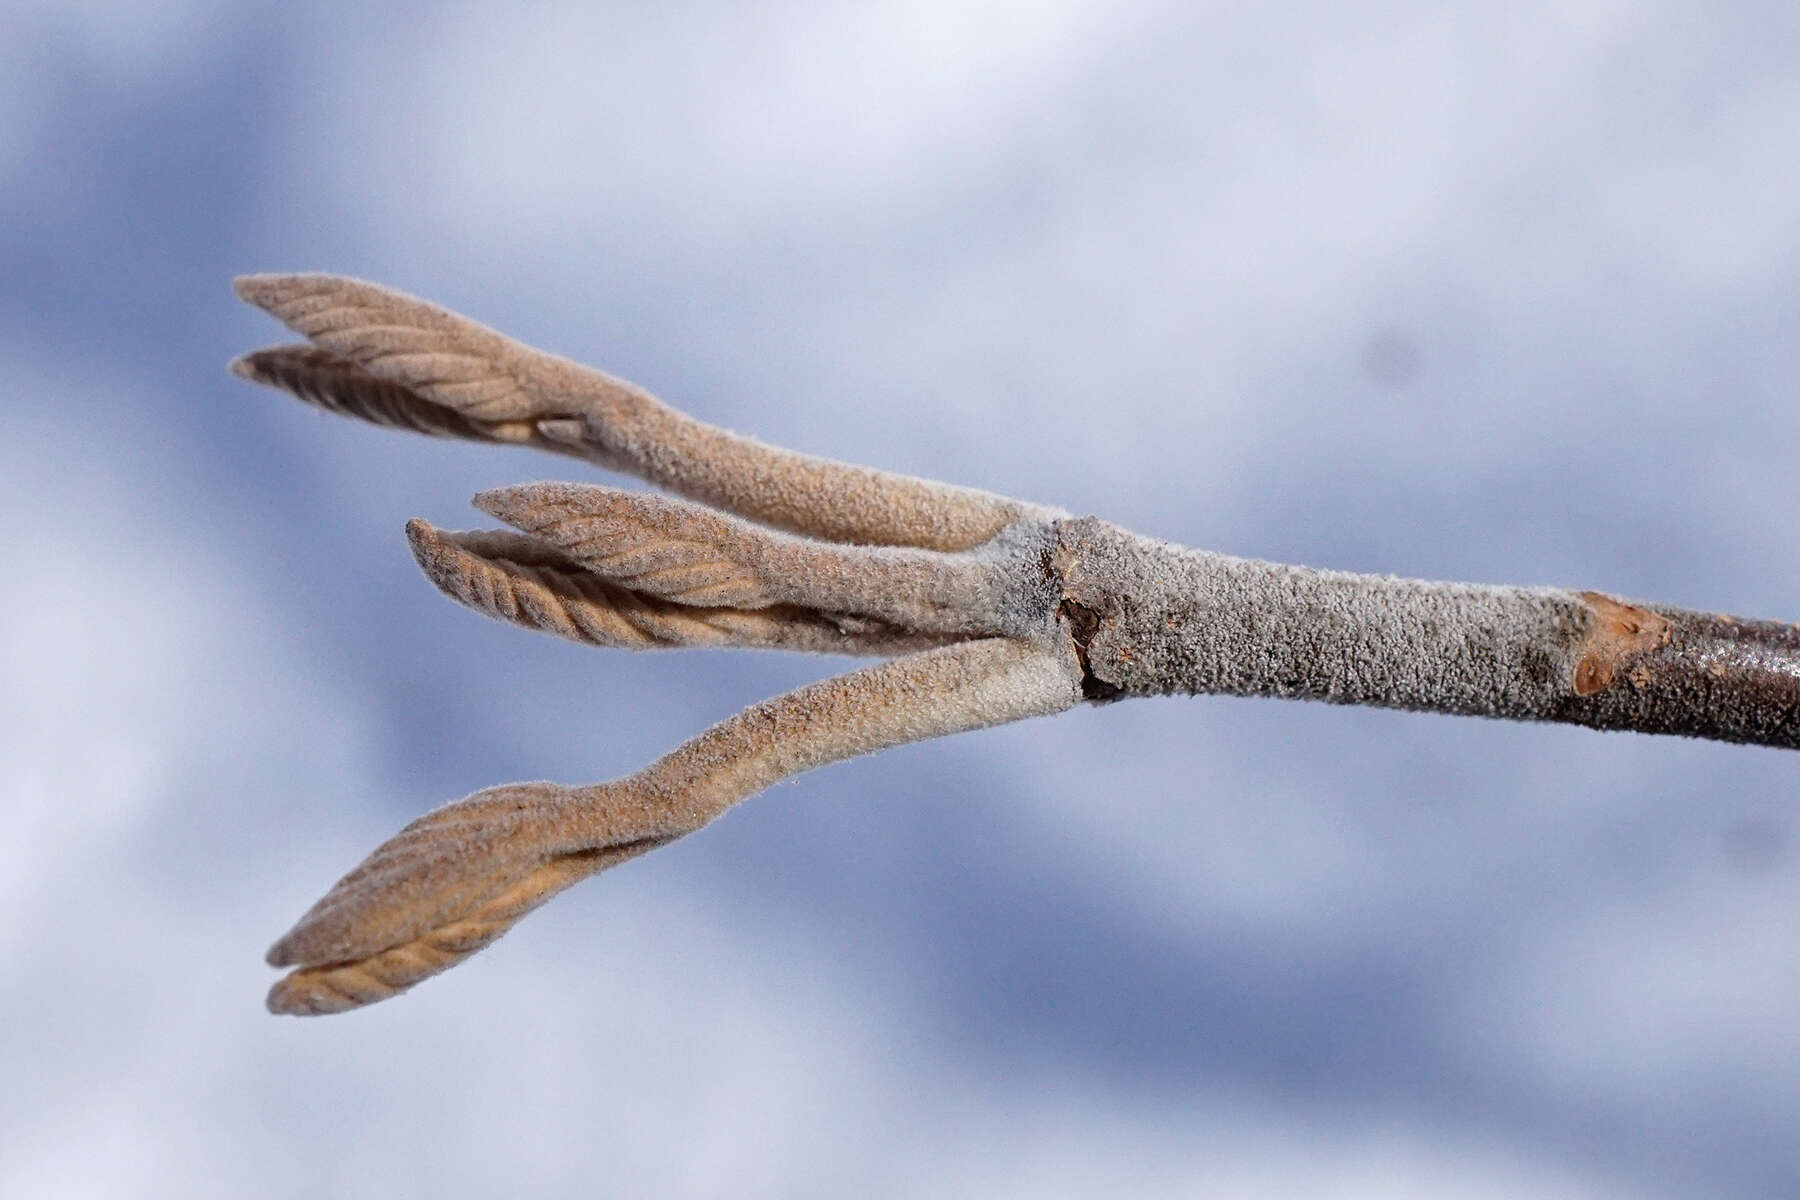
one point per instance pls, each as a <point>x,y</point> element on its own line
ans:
<point>1504,293</point>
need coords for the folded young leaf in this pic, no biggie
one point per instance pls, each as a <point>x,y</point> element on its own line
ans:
<point>503,387</point>
<point>651,544</point>
<point>340,986</point>
<point>340,386</point>
<point>693,555</point>
<point>456,879</point>
<point>525,582</point>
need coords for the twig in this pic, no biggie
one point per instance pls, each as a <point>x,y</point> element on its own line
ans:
<point>997,610</point>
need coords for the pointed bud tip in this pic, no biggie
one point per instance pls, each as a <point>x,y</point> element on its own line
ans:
<point>569,431</point>
<point>256,289</point>
<point>421,535</point>
<point>517,502</point>
<point>281,954</point>
<point>269,289</point>
<point>287,998</point>
<point>499,502</point>
<point>436,554</point>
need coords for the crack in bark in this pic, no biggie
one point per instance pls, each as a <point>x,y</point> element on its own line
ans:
<point>1083,623</point>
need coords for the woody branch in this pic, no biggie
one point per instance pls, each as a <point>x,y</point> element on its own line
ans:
<point>997,609</point>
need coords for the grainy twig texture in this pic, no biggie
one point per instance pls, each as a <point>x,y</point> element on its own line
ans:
<point>985,610</point>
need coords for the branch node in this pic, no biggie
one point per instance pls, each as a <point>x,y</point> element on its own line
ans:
<point>1621,633</point>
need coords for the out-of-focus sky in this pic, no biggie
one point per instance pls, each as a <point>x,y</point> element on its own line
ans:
<point>1495,292</point>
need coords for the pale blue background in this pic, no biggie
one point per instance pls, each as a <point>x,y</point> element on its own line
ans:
<point>1495,292</point>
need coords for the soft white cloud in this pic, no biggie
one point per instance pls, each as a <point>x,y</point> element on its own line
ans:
<point>1153,241</point>
<point>99,50</point>
<point>150,726</point>
<point>708,122</point>
<point>140,658</point>
<point>1239,1152</point>
<point>1678,995</point>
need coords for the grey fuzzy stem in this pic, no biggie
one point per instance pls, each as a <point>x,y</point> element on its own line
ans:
<point>1150,618</point>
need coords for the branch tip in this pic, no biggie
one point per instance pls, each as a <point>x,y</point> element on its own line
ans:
<point>989,610</point>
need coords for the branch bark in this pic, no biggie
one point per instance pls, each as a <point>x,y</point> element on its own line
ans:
<point>997,609</point>
<point>1160,619</point>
